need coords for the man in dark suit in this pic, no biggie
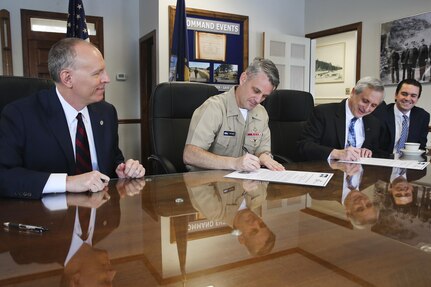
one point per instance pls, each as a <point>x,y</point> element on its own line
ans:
<point>407,95</point>
<point>37,133</point>
<point>345,130</point>
<point>422,59</point>
<point>404,60</point>
<point>395,71</point>
<point>412,60</point>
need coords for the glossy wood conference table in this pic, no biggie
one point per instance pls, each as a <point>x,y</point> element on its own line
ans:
<point>186,230</point>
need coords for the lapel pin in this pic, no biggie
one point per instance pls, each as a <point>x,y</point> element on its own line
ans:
<point>101,123</point>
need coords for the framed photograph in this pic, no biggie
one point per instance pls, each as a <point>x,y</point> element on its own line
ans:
<point>330,63</point>
<point>199,71</point>
<point>210,46</point>
<point>404,49</point>
<point>225,73</point>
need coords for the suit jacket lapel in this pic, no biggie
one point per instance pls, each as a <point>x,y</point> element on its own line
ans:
<point>56,119</point>
<point>340,123</point>
<point>367,131</point>
<point>412,119</point>
<point>97,125</point>
<point>391,124</point>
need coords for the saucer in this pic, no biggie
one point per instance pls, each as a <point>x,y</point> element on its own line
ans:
<point>412,152</point>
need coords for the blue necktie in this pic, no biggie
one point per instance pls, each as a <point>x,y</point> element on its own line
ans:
<point>351,137</point>
<point>404,134</point>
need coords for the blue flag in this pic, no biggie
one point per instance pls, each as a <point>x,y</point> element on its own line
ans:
<point>76,23</point>
<point>179,61</point>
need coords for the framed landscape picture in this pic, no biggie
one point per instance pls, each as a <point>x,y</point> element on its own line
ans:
<point>330,63</point>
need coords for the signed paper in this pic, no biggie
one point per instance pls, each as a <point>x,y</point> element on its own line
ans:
<point>412,164</point>
<point>286,176</point>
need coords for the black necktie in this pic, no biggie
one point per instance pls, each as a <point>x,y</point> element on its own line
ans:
<point>84,214</point>
<point>83,158</point>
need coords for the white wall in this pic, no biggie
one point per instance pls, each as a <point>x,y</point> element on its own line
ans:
<point>121,42</point>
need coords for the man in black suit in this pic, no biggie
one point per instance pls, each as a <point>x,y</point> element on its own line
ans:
<point>407,95</point>
<point>412,60</point>
<point>345,130</point>
<point>395,71</point>
<point>37,133</point>
<point>422,59</point>
<point>404,59</point>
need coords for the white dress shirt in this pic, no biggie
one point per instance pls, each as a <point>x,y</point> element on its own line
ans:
<point>57,181</point>
<point>77,241</point>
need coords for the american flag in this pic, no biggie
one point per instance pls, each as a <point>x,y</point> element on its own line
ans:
<point>76,23</point>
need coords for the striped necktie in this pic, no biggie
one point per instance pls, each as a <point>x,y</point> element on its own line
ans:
<point>83,158</point>
<point>404,133</point>
<point>351,137</point>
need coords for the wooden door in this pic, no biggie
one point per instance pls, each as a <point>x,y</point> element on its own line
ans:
<point>36,44</point>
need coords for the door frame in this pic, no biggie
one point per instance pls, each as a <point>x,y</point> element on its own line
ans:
<point>147,83</point>
<point>29,36</point>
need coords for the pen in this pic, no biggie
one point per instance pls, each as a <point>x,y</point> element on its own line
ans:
<point>245,149</point>
<point>25,227</point>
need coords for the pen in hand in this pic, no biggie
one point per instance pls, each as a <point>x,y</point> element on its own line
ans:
<point>245,149</point>
<point>25,227</point>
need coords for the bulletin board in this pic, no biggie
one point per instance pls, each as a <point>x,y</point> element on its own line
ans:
<point>218,46</point>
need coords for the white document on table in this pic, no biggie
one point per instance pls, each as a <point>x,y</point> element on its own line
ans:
<point>412,164</point>
<point>285,176</point>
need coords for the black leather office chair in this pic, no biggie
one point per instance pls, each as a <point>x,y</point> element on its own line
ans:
<point>171,108</point>
<point>288,112</point>
<point>13,88</point>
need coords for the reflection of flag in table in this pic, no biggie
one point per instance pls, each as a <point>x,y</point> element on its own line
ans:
<point>76,23</point>
<point>179,61</point>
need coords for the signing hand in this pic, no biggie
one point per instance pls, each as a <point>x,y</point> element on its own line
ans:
<point>269,162</point>
<point>349,153</point>
<point>247,162</point>
<point>366,152</point>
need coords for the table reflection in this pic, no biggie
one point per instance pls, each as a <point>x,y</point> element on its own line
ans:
<point>235,203</point>
<point>76,223</point>
<point>201,229</point>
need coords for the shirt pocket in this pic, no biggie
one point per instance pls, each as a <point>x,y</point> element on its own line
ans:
<point>252,141</point>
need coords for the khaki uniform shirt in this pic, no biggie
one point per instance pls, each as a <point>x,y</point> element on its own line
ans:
<point>219,127</point>
<point>220,201</point>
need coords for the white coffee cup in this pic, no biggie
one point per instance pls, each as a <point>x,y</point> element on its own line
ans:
<point>412,146</point>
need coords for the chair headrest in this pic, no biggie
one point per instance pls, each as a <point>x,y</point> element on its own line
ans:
<point>179,99</point>
<point>289,105</point>
<point>13,88</point>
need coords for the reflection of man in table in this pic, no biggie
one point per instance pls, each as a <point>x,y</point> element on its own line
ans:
<point>400,189</point>
<point>73,232</point>
<point>234,203</point>
<point>359,206</point>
